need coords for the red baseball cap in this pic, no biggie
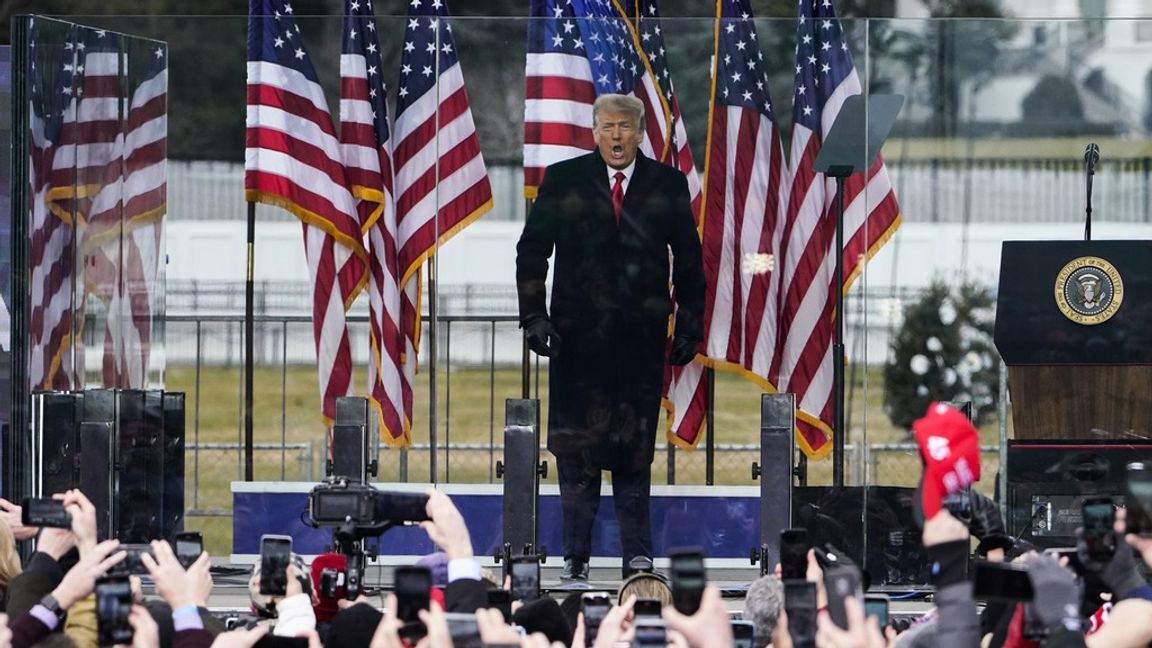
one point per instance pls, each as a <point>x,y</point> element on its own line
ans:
<point>950,447</point>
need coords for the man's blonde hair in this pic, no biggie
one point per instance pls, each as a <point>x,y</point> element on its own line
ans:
<point>619,103</point>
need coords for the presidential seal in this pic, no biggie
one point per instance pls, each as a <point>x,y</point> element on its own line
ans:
<point>1089,290</point>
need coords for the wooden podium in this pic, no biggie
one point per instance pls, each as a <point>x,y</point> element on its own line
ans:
<point>1074,326</point>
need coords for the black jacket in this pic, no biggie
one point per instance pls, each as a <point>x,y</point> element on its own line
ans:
<point>610,301</point>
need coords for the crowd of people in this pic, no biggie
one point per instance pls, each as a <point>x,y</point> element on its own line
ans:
<point>1096,597</point>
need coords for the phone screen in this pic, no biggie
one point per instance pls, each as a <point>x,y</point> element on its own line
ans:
<point>743,634</point>
<point>877,605</point>
<point>794,546</point>
<point>688,580</point>
<point>595,607</point>
<point>275,553</point>
<point>113,604</point>
<point>840,583</point>
<point>1138,499</point>
<point>1001,582</point>
<point>800,603</point>
<point>464,630</point>
<point>45,512</point>
<point>525,578</point>
<point>1099,514</point>
<point>413,586</point>
<point>132,564</point>
<point>189,546</point>
<point>650,633</point>
<point>647,607</point>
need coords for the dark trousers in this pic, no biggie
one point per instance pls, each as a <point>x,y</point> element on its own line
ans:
<point>580,499</point>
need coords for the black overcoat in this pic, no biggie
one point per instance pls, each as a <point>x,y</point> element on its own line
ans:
<point>610,301</point>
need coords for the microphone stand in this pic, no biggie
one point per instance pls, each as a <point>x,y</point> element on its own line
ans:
<point>1090,171</point>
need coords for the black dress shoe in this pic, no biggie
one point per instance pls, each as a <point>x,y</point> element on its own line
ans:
<point>574,569</point>
<point>638,565</point>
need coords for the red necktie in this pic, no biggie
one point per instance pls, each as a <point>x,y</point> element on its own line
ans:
<point>618,195</point>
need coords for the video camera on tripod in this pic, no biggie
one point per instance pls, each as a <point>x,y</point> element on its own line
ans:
<point>358,511</point>
<point>370,511</point>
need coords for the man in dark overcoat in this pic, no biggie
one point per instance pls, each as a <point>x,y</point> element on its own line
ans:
<point>610,218</point>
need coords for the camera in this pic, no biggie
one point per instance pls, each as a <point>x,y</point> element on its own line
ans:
<point>959,504</point>
<point>330,579</point>
<point>338,501</point>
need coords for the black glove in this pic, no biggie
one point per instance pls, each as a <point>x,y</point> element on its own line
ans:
<point>539,331</point>
<point>1119,573</point>
<point>683,350</point>
<point>1055,593</point>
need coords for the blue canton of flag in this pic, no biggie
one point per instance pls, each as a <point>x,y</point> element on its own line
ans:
<point>740,77</point>
<point>280,40</point>
<point>360,39</point>
<point>429,51</point>
<point>822,60</point>
<point>594,29</point>
<point>652,41</point>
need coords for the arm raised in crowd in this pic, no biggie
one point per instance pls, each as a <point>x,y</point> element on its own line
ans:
<point>465,593</point>
<point>946,542</point>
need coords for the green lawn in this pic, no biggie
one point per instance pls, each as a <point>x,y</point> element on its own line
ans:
<point>286,410</point>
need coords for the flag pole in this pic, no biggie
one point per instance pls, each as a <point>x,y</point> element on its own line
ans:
<point>838,431</point>
<point>249,299</point>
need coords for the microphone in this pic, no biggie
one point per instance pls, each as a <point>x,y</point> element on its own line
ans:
<point>1091,157</point>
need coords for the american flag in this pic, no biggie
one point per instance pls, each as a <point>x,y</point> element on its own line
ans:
<point>745,186</point>
<point>824,77</point>
<point>85,188</point>
<point>578,50</point>
<point>141,209</point>
<point>367,149</point>
<point>293,160</point>
<point>52,245</point>
<point>441,182</point>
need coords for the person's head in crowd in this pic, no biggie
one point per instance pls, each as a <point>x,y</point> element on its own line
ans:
<point>571,606</point>
<point>762,606</point>
<point>437,565</point>
<point>645,585</point>
<point>544,616</point>
<point>352,627</point>
<point>9,559</point>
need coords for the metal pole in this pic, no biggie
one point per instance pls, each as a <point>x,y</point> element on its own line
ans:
<point>433,350</point>
<point>492,405</point>
<point>838,431</point>
<point>448,401</point>
<point>526,363</point>
<point>249,299</point>
<point>710,429</point>
<point>1002,428</point>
